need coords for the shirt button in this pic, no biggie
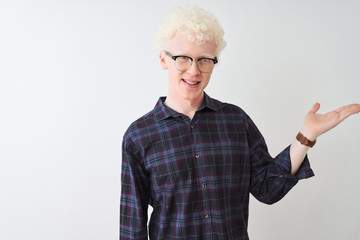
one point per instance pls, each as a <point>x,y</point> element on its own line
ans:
<point>281,176</point>
<point>191,126</point>
<point>197,156</point>
<point>202,185</point>
<point>206,216</point>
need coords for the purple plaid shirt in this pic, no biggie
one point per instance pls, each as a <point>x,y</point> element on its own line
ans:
<point>197,174</point>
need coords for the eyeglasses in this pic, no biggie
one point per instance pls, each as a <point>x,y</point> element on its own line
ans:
<point>183,63</point>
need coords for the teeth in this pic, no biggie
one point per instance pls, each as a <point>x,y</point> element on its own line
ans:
<point>191,83</point>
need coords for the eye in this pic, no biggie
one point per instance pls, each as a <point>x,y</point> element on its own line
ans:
<point>204,61</point>
<point>182,59</point>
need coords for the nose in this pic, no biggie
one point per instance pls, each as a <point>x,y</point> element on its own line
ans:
<point>194,70</point>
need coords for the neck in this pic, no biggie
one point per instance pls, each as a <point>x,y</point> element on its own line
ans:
<point>185,106</point>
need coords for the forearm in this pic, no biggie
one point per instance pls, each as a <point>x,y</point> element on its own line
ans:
<point>298,152</point>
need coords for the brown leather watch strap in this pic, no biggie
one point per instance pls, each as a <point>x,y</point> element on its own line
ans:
<point>303,140</point>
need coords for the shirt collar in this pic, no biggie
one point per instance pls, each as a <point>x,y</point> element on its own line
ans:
<point>211,103</point>
<point>161,111</point>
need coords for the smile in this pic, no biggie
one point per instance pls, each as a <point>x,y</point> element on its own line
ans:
<point>191,83</point>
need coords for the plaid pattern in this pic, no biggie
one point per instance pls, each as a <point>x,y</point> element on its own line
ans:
<point>197,174</point>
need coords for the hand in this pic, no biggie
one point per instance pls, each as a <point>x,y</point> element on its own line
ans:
<point>316,124</point>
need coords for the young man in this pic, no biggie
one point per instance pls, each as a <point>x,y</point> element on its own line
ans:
<point>194,159</point>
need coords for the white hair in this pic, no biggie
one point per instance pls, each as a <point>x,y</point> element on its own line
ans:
<point>195,23</point>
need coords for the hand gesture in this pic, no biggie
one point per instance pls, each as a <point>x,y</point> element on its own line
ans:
<point>316,124</point>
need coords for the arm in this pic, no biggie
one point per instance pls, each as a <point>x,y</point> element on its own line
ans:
<point>134,196</point>
<point>316,124</point>
<point>271,178</point>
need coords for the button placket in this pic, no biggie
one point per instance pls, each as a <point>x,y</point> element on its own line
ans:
<point>200,163</point>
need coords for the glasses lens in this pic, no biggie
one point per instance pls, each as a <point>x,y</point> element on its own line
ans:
<point>205,65</point>
<point>183,63</point>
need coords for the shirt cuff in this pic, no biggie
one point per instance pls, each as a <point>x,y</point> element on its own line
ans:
<point>304,170</point>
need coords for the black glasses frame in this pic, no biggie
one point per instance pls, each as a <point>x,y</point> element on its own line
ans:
<point>215,60</point>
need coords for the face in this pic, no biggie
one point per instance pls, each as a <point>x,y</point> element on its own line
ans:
<point>188,84</point>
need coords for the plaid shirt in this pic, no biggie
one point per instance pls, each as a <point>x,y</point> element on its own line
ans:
<point>197,174</point>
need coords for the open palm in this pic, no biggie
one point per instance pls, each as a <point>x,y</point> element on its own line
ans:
<point>316,124</point>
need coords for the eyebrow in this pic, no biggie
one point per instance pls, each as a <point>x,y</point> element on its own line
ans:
<point>201,56</point>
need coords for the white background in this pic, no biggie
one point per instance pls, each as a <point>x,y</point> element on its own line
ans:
<point>75,74</point>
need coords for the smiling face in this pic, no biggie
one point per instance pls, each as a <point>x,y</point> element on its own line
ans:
<point>189,84</point>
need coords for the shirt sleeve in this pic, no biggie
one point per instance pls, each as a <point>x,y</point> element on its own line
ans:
<point>134,195</point>
<point>271,178</point>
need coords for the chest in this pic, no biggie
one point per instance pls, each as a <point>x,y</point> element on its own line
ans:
<point>182,154</point>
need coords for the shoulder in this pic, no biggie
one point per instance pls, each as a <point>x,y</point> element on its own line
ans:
<point>140,126</point>
<point>229,113</point>
<point>228,110</point>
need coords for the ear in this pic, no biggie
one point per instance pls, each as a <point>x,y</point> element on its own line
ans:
<point>162,58</point>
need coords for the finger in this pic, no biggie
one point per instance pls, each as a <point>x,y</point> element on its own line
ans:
<point>315,108</point>
<point>355,107</point>
<point>349,110</point>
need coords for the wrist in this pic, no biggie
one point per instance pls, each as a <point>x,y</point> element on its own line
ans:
<point>304,140</point>
<point>308,134</point>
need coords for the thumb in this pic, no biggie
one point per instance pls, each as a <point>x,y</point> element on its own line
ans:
<point>315,108</point>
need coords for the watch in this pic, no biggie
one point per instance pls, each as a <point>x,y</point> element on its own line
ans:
<point>304,141</point>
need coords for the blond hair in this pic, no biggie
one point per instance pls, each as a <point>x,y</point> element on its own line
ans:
<point>195,23</point>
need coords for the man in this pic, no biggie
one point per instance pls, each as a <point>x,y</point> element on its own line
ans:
<point>194,159</point>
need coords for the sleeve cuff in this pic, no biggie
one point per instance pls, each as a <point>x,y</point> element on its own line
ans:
<point>303,172</point>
